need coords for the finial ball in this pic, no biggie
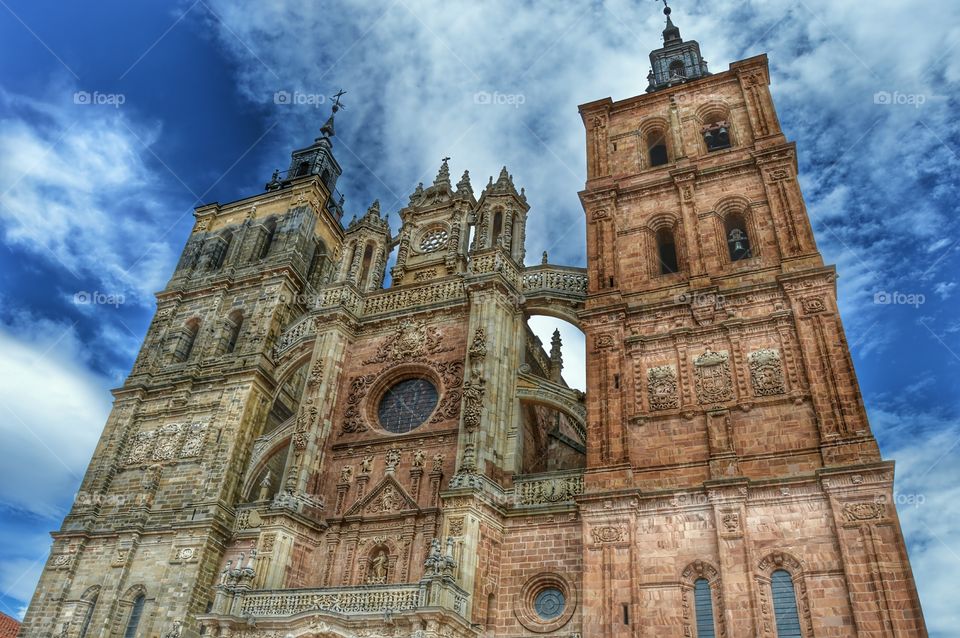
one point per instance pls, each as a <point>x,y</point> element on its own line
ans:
<point>667,11</point>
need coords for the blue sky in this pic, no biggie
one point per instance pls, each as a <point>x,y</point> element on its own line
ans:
<point>117,118</point>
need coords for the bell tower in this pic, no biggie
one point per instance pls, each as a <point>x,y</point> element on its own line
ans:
<point>733,485</point>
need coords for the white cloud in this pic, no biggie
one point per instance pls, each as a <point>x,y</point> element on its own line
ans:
<point>76,190</point>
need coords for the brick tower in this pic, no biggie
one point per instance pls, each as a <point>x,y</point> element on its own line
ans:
<point>733,486</point>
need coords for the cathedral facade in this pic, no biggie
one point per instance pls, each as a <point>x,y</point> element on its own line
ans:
<point>300,451</point>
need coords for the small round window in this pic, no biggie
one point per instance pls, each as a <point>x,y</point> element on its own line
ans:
<point>434,240</point>
<point>407,405</point>
<point>549,603</point>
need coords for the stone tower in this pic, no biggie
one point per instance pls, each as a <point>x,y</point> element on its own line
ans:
<point>301,451</point>
<point>733,486</point>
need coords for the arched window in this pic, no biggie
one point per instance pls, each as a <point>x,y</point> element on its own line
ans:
<point>188,336</point>
<point>497,227</point>
<point>738,242</point>
<point>234,323</point>
<point>90,599</point>
<point>667,251</point>
<point>302,169</point>
<point>657,147</point>
<point>136,613</point>
<point>367,261</point>
<point>271,230</point>
<point>703,602</point>
<point>677,70</point>
<point>325,176</point>
<point>785,605</point>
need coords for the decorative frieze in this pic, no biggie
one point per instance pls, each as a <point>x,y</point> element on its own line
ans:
<point>766,372</point>
<point>170,442</point>
<point>542,491</point>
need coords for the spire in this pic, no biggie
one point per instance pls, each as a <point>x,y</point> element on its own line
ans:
<point>464,183</point>
<point>443,175</point>
<point>556,357</point>
<point>327,131</point>
<point>676,61</point>
<point>671,34</point>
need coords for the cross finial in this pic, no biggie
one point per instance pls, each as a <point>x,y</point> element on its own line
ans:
<point>336,100</point>
<point>445,159</point>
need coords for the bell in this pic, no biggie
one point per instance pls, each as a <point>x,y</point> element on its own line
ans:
<point>708,137</point>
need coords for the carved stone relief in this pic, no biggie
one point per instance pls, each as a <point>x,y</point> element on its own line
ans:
<point>662,387</point>
<point>766,372</point>
<point>713,379</point>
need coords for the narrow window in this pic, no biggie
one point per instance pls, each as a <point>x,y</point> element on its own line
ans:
<point>222,250</point>
<point>271,231</point>
<point>234,323</point>
<point>367,260</point>
<point>188,337</point>
<point>497,227</point>
<point>491,611</point>
<point>135,615</point>
<point>666,251</point>
<point>703,601</point>
<point>302,169</point>
<point>738,242</point>
<point>88,616</point>
<point>657,148</point>
<point>785,605</point>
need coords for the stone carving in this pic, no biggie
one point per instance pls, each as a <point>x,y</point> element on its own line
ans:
<point>607,534</point>
<point>168,443</point>
<point>366,465</point>
<point>411,340</point>
<point>377,574</point>
<point>418,458</point>
<point>713,377</point>
<point>603,341</point>
<point>456,526</point>
<point>864,511</point>
<point>438,462</point>
<point>473,392</point>
<point>304,424</point>
<point>175,631</point>
<point>346,473</point>
<point>551,490</point>
<point>662,387</point>
<point>766,372</point>
<point>386,501</point>
<point>813,305</point>
<point>392,459</point>
<point>352,417</point>
<point>316,374</point>
<point>731,522</point>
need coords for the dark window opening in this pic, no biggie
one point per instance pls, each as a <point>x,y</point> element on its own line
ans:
<point>188,336</point>
<point>302,169</point>
<point>497,228</point>
<point>234,323</point>
<point>677,70</point>
<point>657,148</point>
<point>626,614</point>
<point>738,242</point>
<point>367,260</point>
<point>271,231</point>
<point>667,251</point>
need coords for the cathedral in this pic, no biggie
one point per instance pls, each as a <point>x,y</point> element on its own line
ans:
<point>300,451</point>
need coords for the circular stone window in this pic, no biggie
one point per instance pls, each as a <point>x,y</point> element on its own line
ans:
<point>434,240</point>
<point>407,405</point>
<point>549,603</point>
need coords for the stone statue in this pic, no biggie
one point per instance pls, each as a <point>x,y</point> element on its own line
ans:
<point>418,457</point>
<point>378,567</point>
<point>265,487</point>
